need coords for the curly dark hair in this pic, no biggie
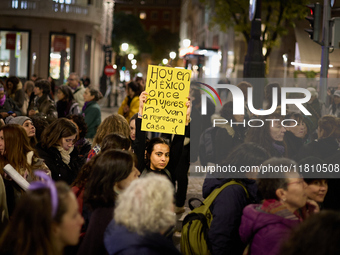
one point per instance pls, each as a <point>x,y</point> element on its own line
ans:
<point>80,121</point>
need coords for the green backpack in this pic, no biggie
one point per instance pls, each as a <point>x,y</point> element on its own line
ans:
<point>196,224</point>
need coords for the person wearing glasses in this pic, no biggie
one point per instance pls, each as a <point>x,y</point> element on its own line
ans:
<point>57,149</point>
<point>264,226</point>
<point>77,87</point>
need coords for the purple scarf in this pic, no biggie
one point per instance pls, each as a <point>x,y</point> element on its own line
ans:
<point>84,107</point>
<point>2,100</point>
<point>279,148</point>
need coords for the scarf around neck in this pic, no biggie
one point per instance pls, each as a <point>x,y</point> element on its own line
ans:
<point>65,155</point>
<point>274,206</point>
<point>3,100</point>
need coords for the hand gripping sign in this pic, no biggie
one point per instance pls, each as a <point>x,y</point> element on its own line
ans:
<point>165,110</point>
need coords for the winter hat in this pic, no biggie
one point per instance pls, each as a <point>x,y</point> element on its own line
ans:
<point>313,92</point>
<point>337,93</point>
<point>17,120</point>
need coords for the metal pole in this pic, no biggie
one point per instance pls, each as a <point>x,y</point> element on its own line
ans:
<point>325,53</point>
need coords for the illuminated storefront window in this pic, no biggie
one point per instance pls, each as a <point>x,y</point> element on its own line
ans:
<point>61,57</point>
<point>14,53</point>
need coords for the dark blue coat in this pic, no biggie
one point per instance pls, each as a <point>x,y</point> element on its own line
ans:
<point>119,240</point>
<point>227,212</point>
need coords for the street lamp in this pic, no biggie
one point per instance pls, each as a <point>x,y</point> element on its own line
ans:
<point>133,61</point>
<point>165,61</point>
<point>172,55</point>
<point>186,43</point>
<point>125,46</point>
<point>131,56</point>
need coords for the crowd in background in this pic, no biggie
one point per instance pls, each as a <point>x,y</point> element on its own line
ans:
<point>104,187</point>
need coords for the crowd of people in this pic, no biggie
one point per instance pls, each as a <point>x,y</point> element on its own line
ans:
<point>87,186</point>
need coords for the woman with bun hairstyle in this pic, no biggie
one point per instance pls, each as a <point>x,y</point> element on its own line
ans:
<point>91,111</point>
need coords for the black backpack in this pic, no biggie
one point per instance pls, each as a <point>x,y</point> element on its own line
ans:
<point>206,150</point>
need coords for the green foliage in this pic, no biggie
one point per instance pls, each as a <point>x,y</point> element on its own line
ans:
<point>163,42</point>
<point>276,16</point>
<point>128,29</point>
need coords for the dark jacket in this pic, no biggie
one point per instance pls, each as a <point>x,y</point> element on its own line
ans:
<point>227,211</point>
<point>65,108</point>
<point>93,242</point>
<point>83,146</point>
<point>46,106</point>
<point>118,240</point>
<point>10,106</point>
<point>264,231</point>
<point>175,148</point>
<point>323,148</point>
<point>54,161</point>
<point>224,142</point>
<point>294,144</point>
<point>92,118</point>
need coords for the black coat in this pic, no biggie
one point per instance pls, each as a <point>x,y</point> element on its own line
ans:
<point>323,148</point>
<point>227,211</point>
<point>294,145</point>
<point>54,161</point>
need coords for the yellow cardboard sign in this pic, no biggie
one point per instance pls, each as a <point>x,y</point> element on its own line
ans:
<point>164,110</point>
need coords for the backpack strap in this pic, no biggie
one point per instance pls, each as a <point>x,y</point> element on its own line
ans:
<point>210,199</point>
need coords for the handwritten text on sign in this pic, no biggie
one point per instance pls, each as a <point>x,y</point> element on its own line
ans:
<point>165,110</point>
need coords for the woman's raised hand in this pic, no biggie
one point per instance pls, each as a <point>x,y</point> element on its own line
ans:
<point>142,99</point>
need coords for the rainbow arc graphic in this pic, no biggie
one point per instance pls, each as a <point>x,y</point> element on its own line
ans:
<point>209,93</point>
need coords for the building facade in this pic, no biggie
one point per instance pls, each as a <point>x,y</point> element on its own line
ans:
<point>54,38</point>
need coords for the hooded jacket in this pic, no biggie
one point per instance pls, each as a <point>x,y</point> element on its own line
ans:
<point>263,231</point>
<point>119,240</point>
<point>227,211</point>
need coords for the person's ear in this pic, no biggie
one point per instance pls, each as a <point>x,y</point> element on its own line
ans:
<point>281,194</point>
<point>55,229</point>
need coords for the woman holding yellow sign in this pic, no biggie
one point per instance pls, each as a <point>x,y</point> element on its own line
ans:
<point>160,157</point>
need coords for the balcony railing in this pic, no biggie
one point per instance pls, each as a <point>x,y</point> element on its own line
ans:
<point>51,9</point>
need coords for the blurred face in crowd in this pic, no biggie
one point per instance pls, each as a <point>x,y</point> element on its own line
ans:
<point>68,231</point>
<point>29,128</point>
<point>133,130</point>
<point>2,93</point>
<point>37,91</point>
<point>123,184</point>
<point>295,197</point>
<point>60,95</point>
<point>277,131</point>
<point>9,85</point>
<point>67,142</point>
<point>159,157</point>
<point>317,190</point>
<point>73,82</point>
<point>2,143</point>
<point>299,130</point>
<point>87,96</point>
